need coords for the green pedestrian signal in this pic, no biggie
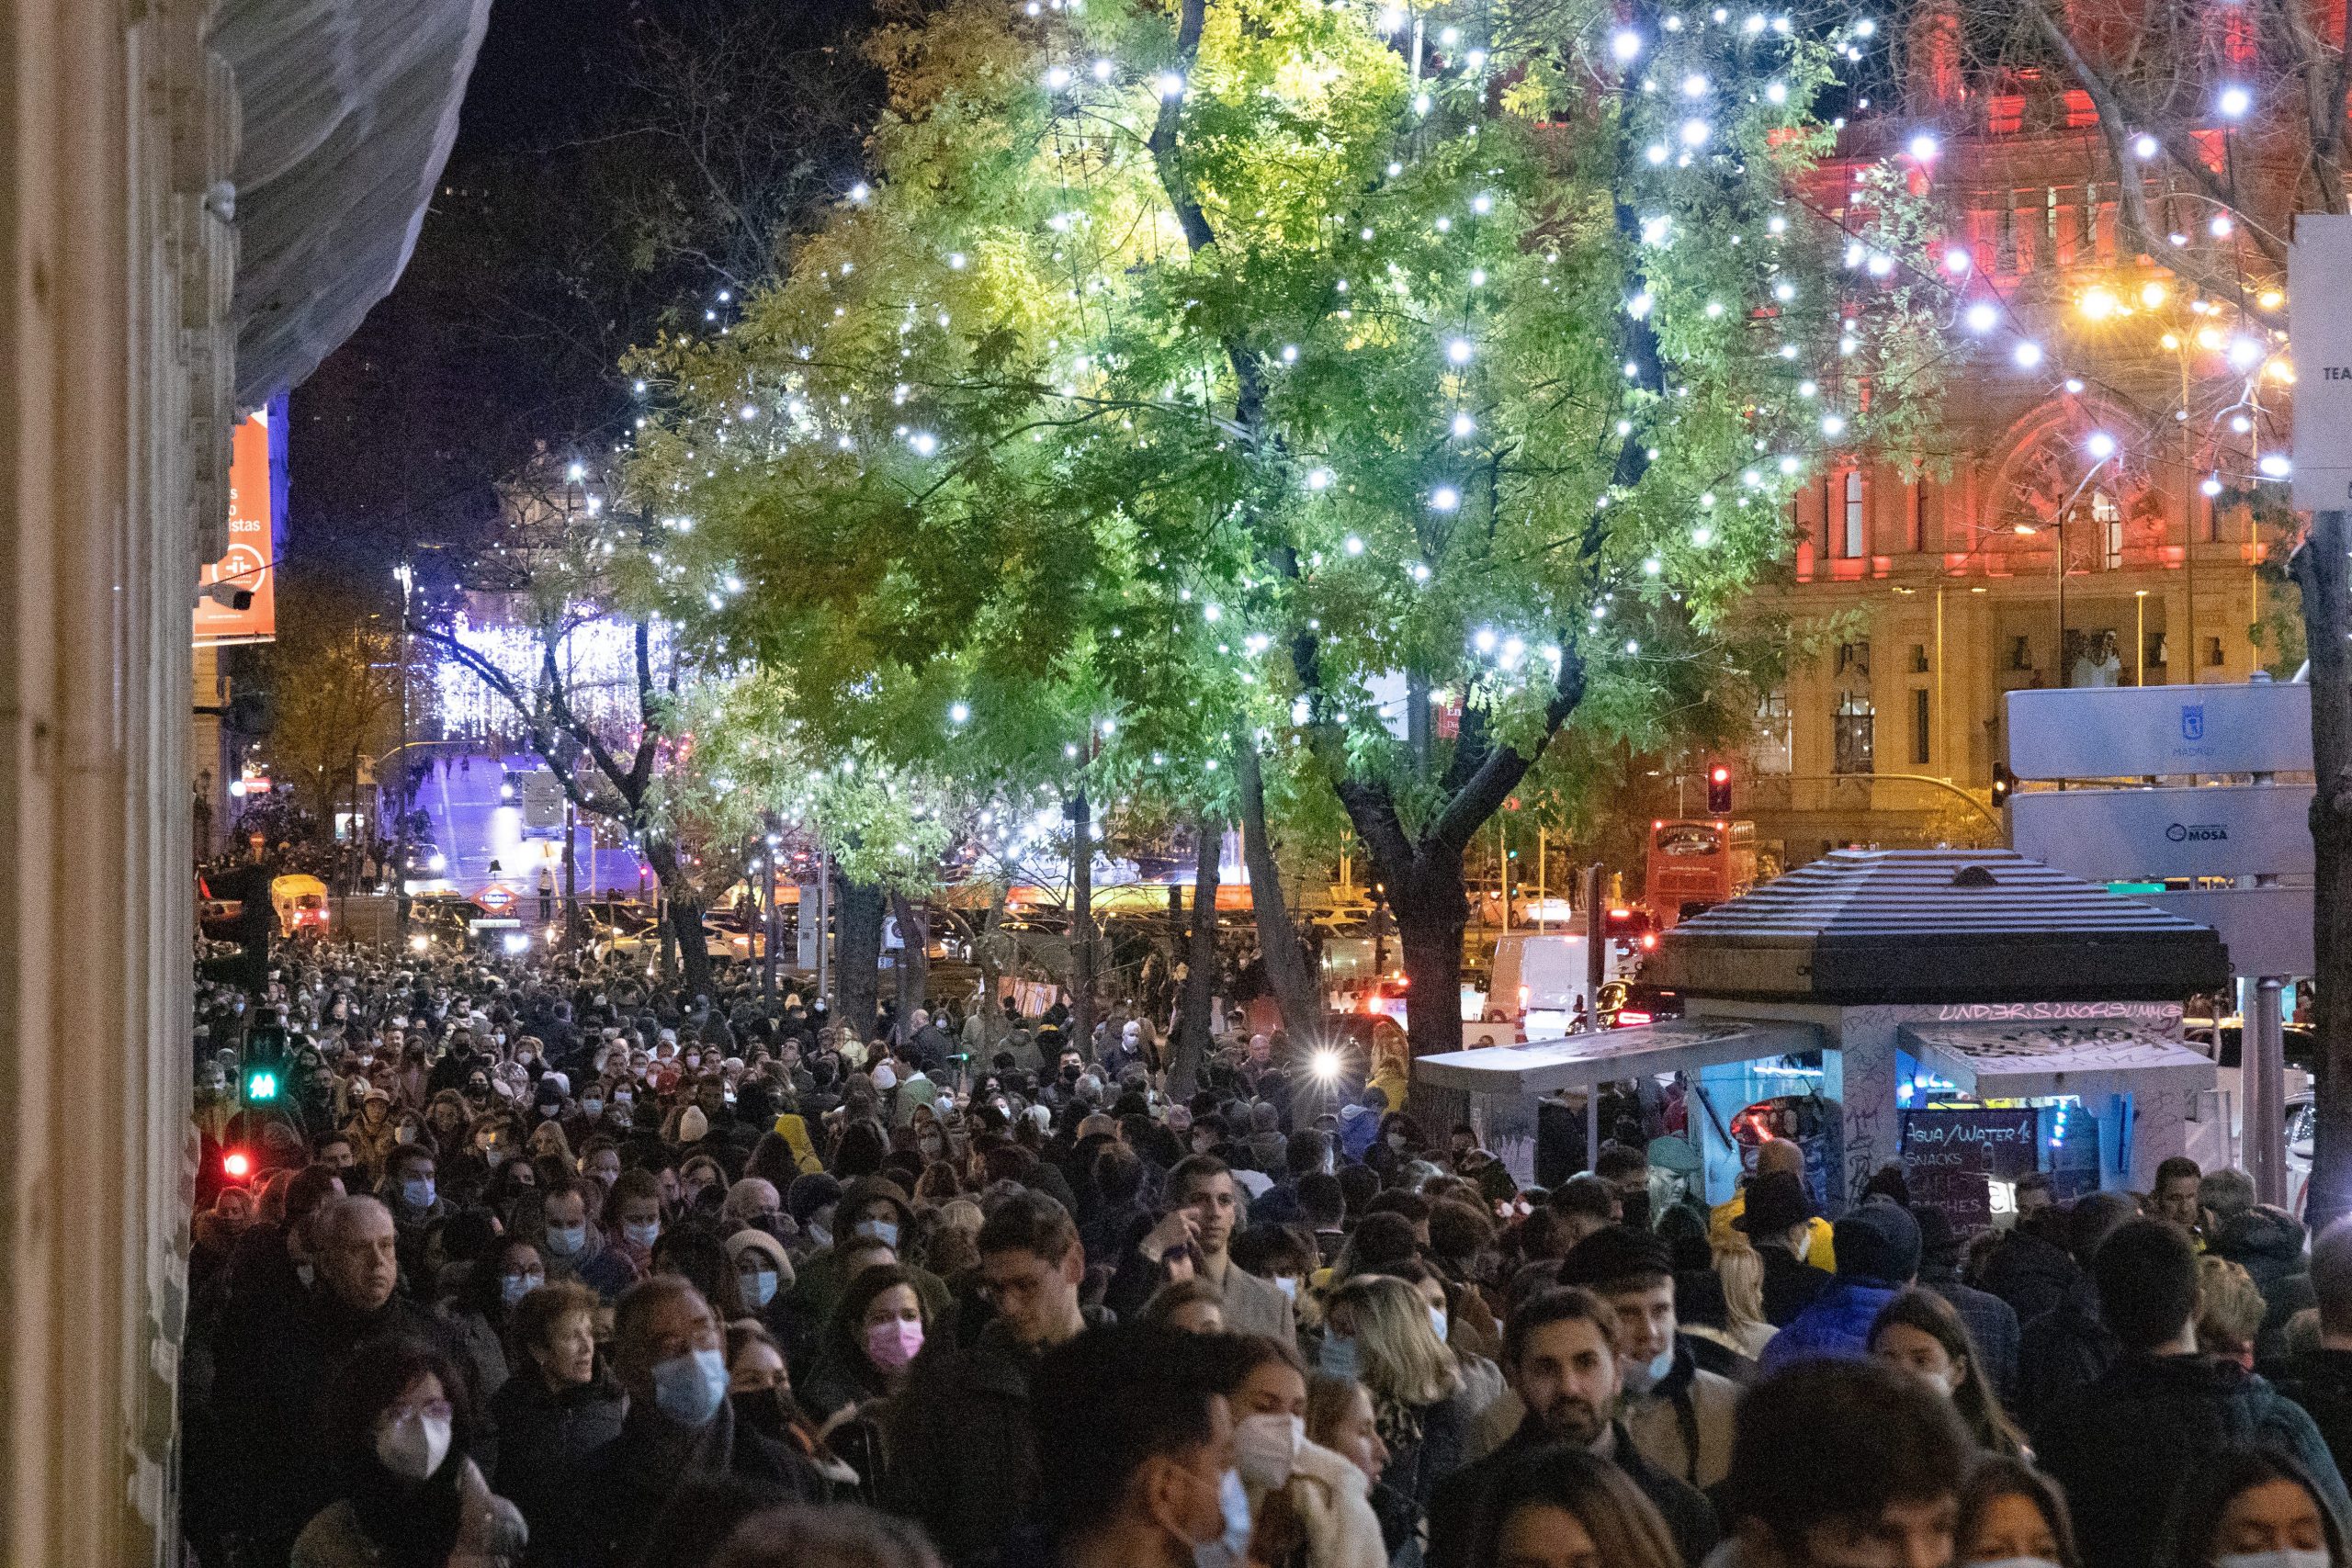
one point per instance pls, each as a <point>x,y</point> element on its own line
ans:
<point>260,1085</point>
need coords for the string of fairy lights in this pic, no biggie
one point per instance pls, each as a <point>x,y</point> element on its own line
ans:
<point>1691,117</point>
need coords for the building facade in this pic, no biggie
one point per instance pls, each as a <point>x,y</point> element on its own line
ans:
<point>2095,510</point>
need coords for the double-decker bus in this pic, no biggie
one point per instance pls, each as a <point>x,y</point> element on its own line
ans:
<point>1695,864</point>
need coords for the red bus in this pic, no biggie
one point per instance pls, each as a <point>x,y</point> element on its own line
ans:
<point>1696,865</point>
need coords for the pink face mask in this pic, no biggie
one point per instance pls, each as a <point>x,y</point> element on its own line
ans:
<point>894,1343</point>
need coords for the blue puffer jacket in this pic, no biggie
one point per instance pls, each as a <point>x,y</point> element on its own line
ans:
<point>1836,1325</point>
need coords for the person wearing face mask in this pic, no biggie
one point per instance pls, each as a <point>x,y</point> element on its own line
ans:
<point>1323,1492</point>
<point>873,1208</point>
<point>1560,1352</point>
<point>632,1216</point>
<point>560,1404</point>
<point>680,1430</point>
<point>1138,1463</point>
<point>2012,1516</point>
<point>759,1385</point>
<point>763,1275</point>
<point>2252,1508</point>
<point>1376,1328</point>
<point>1921,1331</point>
<point>861,1361</point>
<point>484,1306</point>
<point>2124,1445</point>
<point>399,1428</point>
<point>573,1242</point>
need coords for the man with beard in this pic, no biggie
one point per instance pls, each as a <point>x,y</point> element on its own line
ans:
<point>1559,1352</point>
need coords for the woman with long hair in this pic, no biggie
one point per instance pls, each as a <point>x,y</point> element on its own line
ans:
<point>2251,1503</point>
<point>399,1432</point>
<point>1324,1493</point>
<point>1376,1328</point>
<point>875,1333</point>
<point>1558,1506</point>
<point>2010,1512</point>
<point>1741,1268</point>
<point>759,1385</point>
<point>1921,1332</point>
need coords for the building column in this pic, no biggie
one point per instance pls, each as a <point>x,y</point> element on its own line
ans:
<point>112,369</point>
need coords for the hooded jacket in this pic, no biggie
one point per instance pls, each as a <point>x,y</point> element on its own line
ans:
<point>2268,1243</point>
<point>2065,1350</point>
<point>2121,1447</point>
<point>2031,1272</point>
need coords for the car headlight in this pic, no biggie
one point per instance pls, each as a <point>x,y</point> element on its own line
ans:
<point>439,862</point>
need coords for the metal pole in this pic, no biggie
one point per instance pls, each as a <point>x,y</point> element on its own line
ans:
<point>1502,868</point>
<point>768,925</point>
<point>2265,1055</point>
<point>2140,631</point>
<point>1596,932</point>
<point>571,875</point>
<point>1539,876</point>
<point>824,926</point>
<point>400,787</point>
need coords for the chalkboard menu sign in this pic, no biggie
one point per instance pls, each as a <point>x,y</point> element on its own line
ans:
<point>1949,1158</point>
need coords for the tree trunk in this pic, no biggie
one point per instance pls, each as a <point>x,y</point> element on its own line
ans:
<point>2319,569</point>
<point>914,957</point>
<point>858,954</point>
<point>1432,910</point>
<point>1286,970</point>
<point>1193,1025</point>
<point>1081,925</point>
<point>682,921</point>
<point>984,951</point>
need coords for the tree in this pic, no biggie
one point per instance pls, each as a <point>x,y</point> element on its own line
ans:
<point>334,676</point>
<point>1230,379</point>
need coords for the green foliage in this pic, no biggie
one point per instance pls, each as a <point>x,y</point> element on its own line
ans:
<point>1158,398</point>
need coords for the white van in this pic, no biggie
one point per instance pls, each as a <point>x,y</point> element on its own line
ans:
<point>1545,974</point>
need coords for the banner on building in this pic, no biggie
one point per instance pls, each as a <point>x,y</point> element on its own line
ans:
<point>256,527</point>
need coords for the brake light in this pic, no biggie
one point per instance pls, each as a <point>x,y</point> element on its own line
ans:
<point>1627,1017</point>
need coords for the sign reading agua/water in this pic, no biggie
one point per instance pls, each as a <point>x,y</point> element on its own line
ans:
<point>1951,1156</point>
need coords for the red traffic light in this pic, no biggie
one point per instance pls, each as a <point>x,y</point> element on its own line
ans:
<point>1719,789</point>
<point>1719,774</point>
<point>236,1164</point>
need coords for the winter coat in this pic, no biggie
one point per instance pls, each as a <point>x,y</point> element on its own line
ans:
<point>2065,1350</point>
<point>962,1451</point>
<point>1455,1507</point>
<point>2268,1243</point>
<point>1328,1496</point>
<point>1789,1286</point>
<point>490,1532</point>
<point>2121,1448</point>
<point>620,1497</point>
<point>2321,1381</point>
<point>1992,1324</point>
<point>2031,1273</point>
<point>1838,1325</point>
<point>543,1435</point>
<point>1683,1424</point>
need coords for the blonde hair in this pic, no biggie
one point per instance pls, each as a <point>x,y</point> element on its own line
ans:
<point>2229,1308</point>
<point>1741,1268</point>
<point>1399,1354</point>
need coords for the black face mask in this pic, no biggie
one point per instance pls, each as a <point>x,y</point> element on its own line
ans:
<point>762,1410</point>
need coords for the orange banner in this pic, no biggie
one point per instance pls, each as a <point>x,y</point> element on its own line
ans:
<point>256,460</point>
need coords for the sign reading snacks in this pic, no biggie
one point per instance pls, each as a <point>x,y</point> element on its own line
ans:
<point>1951,1156</point>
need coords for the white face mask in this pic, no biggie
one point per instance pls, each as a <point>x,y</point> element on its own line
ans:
<point>2286,1557</point>
<point>1265,1446</point>
<point>414,1445</point>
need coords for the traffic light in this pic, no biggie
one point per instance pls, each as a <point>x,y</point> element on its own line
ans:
<point>236,1164</point>
<point>2005,784</point>
<point>1719,789</point>
<point>261,1075</point>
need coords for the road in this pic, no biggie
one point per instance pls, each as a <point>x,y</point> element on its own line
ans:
<point>481,836</point>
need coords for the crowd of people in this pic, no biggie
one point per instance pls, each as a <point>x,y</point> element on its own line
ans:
<point>539,1262</point>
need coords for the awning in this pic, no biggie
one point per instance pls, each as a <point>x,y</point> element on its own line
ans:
<point>1682,1045</point>
<point>2028,1060</point>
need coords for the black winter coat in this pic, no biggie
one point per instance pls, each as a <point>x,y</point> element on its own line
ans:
<point>1454,1506</point>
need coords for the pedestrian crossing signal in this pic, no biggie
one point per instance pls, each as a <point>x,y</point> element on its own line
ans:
<point>260,1084</point>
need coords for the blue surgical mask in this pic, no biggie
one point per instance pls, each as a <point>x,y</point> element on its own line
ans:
<point>883,1231</point>
<point>514,1287</point>
<point>760,1286</point>
<point>1338,1357</point>
<point>592,1107</point>
<point>644,1232</point>
<point>1230,1549</point>
<point>1288,1285</point>
<point>689,1388</point>
<point>1642,1378</point>
<point>416,1192</point>
<point>1437,1323</point>
<point>566,1241</point>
